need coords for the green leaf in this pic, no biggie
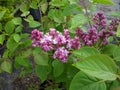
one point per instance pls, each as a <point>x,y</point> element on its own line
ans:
<point>44,7</point>
<point>104,2</point>
<point>24,14</point>
<point>67,75</point>
<point>109,49</point>
<point>56,15</point>
<point>29,18</point>
<point>0,70</point>
<point>27,43</point>
<point>34,24</point>
<point>2,14</point>
<point>24,7</point>
<point>17,21</point>
<point>81,81</point>
<point>115,13</point>
<point>9,27</point>
<point>71,71</point>
<point>51,13</point>
<point>78,20</point>
<point>1,60</point>
<point>25,35</point>
<point>11,44</point>
<point>2,38</point>
<point>85,52</point>
<point>34,5</point>
<point>22,61</point>
<point>115,85</point>
<point>16,37</point>
<point>6,66</point>
<point>58,68</point>
<point>57,3</point>
<point>99,66</point>
<point>17,65</point>
<point>18,29</point>
<point>42,72</point>
<point>40,57</point>
<point>6,54</point>
<point>118,31</point>
<point>116,54</point>
<point>73,1</point>
<point>27,53</point>
<point>71,9</point>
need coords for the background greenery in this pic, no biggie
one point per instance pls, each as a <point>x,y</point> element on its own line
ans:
<point>99,69</point>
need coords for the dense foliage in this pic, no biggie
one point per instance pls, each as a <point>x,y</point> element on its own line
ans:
<point>66,45</point>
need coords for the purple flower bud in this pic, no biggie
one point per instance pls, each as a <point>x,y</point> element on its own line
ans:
<point>52,31</point>
<point>79,32</point>
<point>89,43</point>
<point>95,26</point>
<point>66,34</point>
<point>69,44</point>
<point>114,25</point>
<point>109,27</point>
<point>104,34</point>
<point>35,43</point>
<point>105,41</point>
<point>100,13</point>
<point>103,23</point>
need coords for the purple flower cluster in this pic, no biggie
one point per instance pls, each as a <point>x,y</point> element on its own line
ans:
<point>104,34</point>
<point>61,44</point>
<point>61,53</point>
<point>56,41</point>
<point>88,38</point>
<point>73,43</point>
<point>100,20</point>
<point>36,36</point>
<point>114,25</point>
<point>91,37</point>
<point>100,30</point>
<point>104,30</point>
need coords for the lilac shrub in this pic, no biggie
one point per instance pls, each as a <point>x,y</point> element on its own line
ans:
<point>62,44</point>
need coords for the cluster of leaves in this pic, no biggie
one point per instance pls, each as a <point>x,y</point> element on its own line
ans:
<point>88,67</point>
<point>13,42</point>
<point>5,14</point>
<point>98,69</point>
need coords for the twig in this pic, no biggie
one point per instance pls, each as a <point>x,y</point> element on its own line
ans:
<point>86,12</point>
<point>18,8</point>
<point>42,24</point>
